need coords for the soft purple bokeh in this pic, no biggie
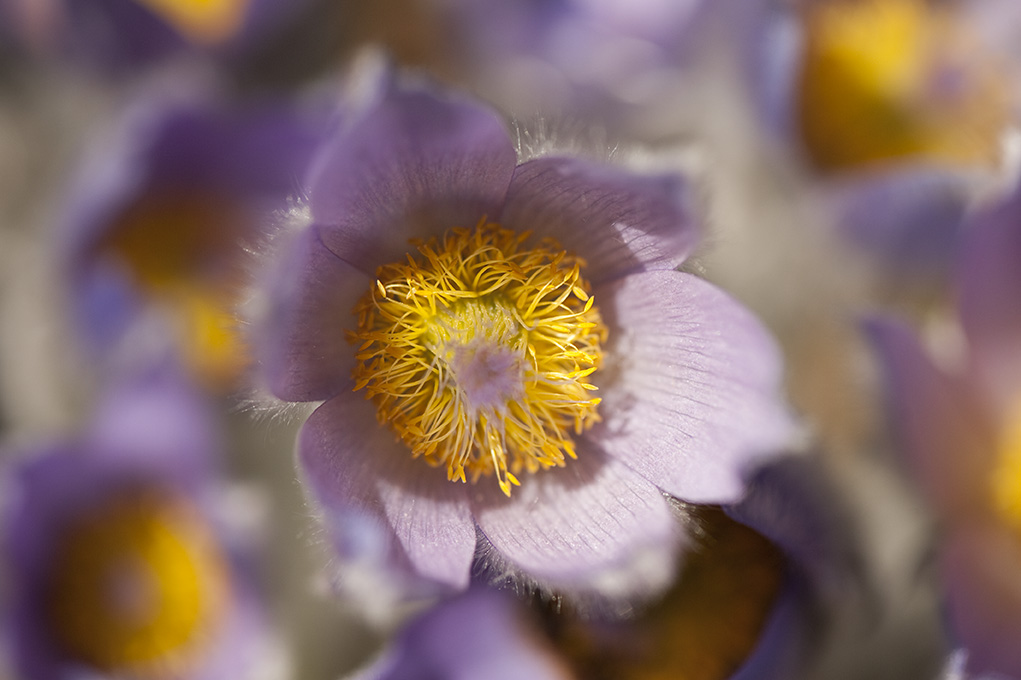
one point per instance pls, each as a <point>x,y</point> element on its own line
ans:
<point>952,422</point>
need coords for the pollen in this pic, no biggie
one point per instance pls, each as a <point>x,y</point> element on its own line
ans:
<point>136,585</point>
<point>479,350</point>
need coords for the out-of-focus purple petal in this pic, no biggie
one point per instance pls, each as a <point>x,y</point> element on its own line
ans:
<point>156,418</point>
<point>691,386</point>
<point>770,53</point>
<point>352,462</point>
<point>301,344</point>
<point>492,642</point>
<point>414,164</point>
<point>910,218</point>
<point>617,221</point>
<point>980,563</point>
<point>793,502</point>
<point>990,287</point>
<point>782,649</point>
<point>570,526</point>
<point>943,434</point>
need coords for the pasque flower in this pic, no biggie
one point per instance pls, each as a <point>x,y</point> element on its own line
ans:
<point>507,355</point>
<point>117,561</point>
<point>157,221</point>
<point>958,425</point>
<point>898,103</point>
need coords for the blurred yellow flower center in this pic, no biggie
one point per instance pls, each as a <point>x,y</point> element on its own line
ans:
<point>201,21</point>
<point>884,80</point>
<point>477,351</point>
<point>136,585</point>
<point>1006,477</point>
<point>183,251</point>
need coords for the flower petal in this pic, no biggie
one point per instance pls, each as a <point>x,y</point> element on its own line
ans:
<point>415,164</point>
<point>493,642</point>
<point>619,222</point>
<point>943,435</point>
<point>301,342</point>
<point>990,284</point>
<point>980,568</point>
<point>690,386</point>
<point>353,463</point>
<point>910,218</point>
<point>582,527</point>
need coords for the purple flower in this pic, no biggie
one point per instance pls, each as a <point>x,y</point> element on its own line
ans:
<point>127,33</point>
<point>116,561</point>
<point>156,225</point>
<point>900,130</point>
<point>509,361</point>
<point>959,426</point>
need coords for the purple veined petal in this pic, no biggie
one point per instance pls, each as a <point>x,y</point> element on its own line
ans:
<point>414,164</point>
<point>937,419</point>
<point>980,564</point>
<point>301,343</point>
<point>990,285</point>
<point>351,461</point>
<point>690,386</point>
<point>617,221</point>
<point>581,527</point>
<point>912,217</point>
<point>493,642</point>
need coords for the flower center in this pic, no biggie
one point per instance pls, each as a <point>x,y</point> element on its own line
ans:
<point>134,584</point>
<point>201,21</point>
<point>477,352</point>
<point>888,79</point>
<point>182,251</point>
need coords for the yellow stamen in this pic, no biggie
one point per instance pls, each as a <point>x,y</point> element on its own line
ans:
<point>474,352</point>
<point>888,79</point>
<point>136,585</point>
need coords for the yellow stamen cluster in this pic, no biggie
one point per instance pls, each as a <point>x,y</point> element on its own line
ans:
<point>477,351</point>
<point>135,586</point>
<point>888,79</point>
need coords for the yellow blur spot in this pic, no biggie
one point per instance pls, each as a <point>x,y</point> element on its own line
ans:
<point>184,253</point>
<point>137,586</point>
<point>201,21</point>
<point>886,80</point>
<point>1006,476</point>
<point>210,336</point>
<point>475,351</point>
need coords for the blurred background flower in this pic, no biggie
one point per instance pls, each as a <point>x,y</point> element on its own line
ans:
<point>957,416</point>
<point>117,560</point>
